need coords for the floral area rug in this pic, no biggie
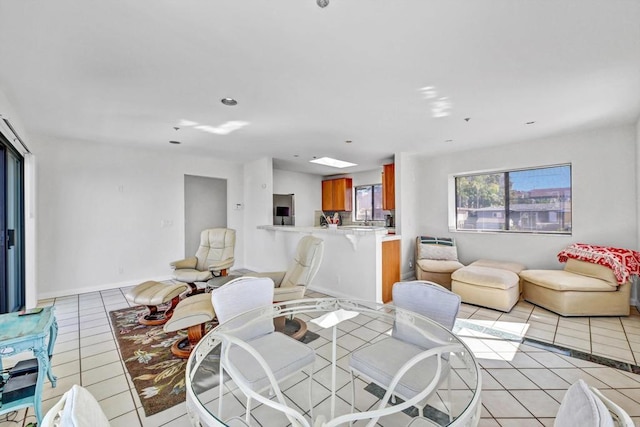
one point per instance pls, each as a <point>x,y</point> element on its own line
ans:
<point>159,376</point>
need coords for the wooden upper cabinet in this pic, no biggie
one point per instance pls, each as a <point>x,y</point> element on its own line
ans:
<point>388,187</point>
<point>337,194</point>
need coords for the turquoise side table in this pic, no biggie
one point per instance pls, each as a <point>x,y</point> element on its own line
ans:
<point>35,332</point>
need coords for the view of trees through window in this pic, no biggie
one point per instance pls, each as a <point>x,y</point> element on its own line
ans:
<point>529,200</point>
<point>369,203</point>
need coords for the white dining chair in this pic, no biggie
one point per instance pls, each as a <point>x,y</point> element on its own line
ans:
<point>410,361</point>
<point>256,357</point>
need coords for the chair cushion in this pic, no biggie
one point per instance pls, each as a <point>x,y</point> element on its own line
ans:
<point>82,409</point>
<point>438,266</point>
<point>381,361</point>
<point>155,293</point>
<point>561,280</point>
<point>502,265</point>
<point>288,293</point>
<point>284,355</point>
<point>592,270</point>
<point>189,275</point>
<point>486,276</point>
<point>580,407</point>
<point>438,252</point>
<point>191,311</point>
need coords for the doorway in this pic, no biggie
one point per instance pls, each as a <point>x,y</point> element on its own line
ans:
<point>284,209</point>
<point>205,206</point>
<point>12,283</point>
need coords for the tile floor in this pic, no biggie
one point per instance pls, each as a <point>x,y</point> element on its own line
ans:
<point>522,384</point>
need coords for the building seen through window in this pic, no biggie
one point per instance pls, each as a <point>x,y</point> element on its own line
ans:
<point>529,200</point>
<point>369,203</point>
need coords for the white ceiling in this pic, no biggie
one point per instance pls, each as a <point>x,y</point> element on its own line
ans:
<point>307,79</point>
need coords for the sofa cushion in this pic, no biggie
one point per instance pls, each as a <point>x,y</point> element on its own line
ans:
<point>592,270</point>
<point>503,265</point>
<point>561,280</point>
<point>438,266</point>
<point>486,276</point>
<point>438,252</point>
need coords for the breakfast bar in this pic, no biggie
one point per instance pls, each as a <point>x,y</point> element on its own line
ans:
<point>352,266</point>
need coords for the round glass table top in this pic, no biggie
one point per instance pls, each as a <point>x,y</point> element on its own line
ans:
<point>336,329</point>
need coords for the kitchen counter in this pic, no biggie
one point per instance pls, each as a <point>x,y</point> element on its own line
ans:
<point>349,229</point>
<point>352,260</point>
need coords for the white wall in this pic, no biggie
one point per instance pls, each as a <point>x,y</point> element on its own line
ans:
<point>101,208</point>
<point>307,189</point>
<point>261,251</point>
<point>409,187</point>
<point>604,194</point>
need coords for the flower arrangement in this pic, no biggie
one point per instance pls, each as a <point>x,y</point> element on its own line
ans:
<point>332,220</point>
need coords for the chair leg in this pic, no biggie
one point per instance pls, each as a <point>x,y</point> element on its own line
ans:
<point>248,414</point>
<point>449,395</point>
<point>353,395</point>
<point>310,394</point>
<point>220,392</point>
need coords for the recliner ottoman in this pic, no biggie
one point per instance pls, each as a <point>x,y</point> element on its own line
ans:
<point>152,294</point>
<point>488,283</point>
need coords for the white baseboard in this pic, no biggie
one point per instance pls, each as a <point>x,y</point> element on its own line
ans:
<point>104,287</point>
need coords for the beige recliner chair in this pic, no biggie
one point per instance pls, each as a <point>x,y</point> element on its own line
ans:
<point>214,257</point>
<point>193,312</point>
<point>292,284</point>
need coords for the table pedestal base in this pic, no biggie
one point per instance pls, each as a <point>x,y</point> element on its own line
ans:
<point>295,328</point>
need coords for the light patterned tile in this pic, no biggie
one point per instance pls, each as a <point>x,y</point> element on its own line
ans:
<point>501,404</point>
<point>630,406</point>
<point>539,403</point>
<point>573,342</point>
<point>512,379</point>
<point>615,353</point>
<point>545,379</point>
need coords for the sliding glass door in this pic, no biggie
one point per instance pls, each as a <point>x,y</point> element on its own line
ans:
<point>12,284</point>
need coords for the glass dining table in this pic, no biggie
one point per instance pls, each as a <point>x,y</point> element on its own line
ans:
<point>341,326</point>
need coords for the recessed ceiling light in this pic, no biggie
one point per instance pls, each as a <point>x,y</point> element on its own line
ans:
<point>348,141</point>
<point>448,140</point>
<point>334,163</point>
<point>229,101</point>
<point>296,155</point>
<point>529,123</point>
<point>175,142</point>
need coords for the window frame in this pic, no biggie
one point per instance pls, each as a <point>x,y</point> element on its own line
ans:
<point>506,213</point>
<point>373,210</point>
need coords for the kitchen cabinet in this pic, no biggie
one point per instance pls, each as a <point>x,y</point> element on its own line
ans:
<point>390,267</point>
<point>336,194</point>
<point>388,187</point>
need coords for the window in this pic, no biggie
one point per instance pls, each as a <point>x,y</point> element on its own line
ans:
<point>368,201</point>
<point>522,201</point>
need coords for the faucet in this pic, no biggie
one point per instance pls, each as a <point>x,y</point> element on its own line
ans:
<point>366,221</point>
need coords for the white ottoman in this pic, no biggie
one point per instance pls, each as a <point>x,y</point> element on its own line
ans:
<point>152,294</point>
<point>488,283</point>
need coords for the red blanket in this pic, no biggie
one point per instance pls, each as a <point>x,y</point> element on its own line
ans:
<point>623,262</point>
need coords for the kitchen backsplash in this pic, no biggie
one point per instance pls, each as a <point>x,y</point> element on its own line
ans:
<point>346,219</point>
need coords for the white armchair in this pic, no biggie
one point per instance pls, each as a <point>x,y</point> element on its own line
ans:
<point>213,258</point>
